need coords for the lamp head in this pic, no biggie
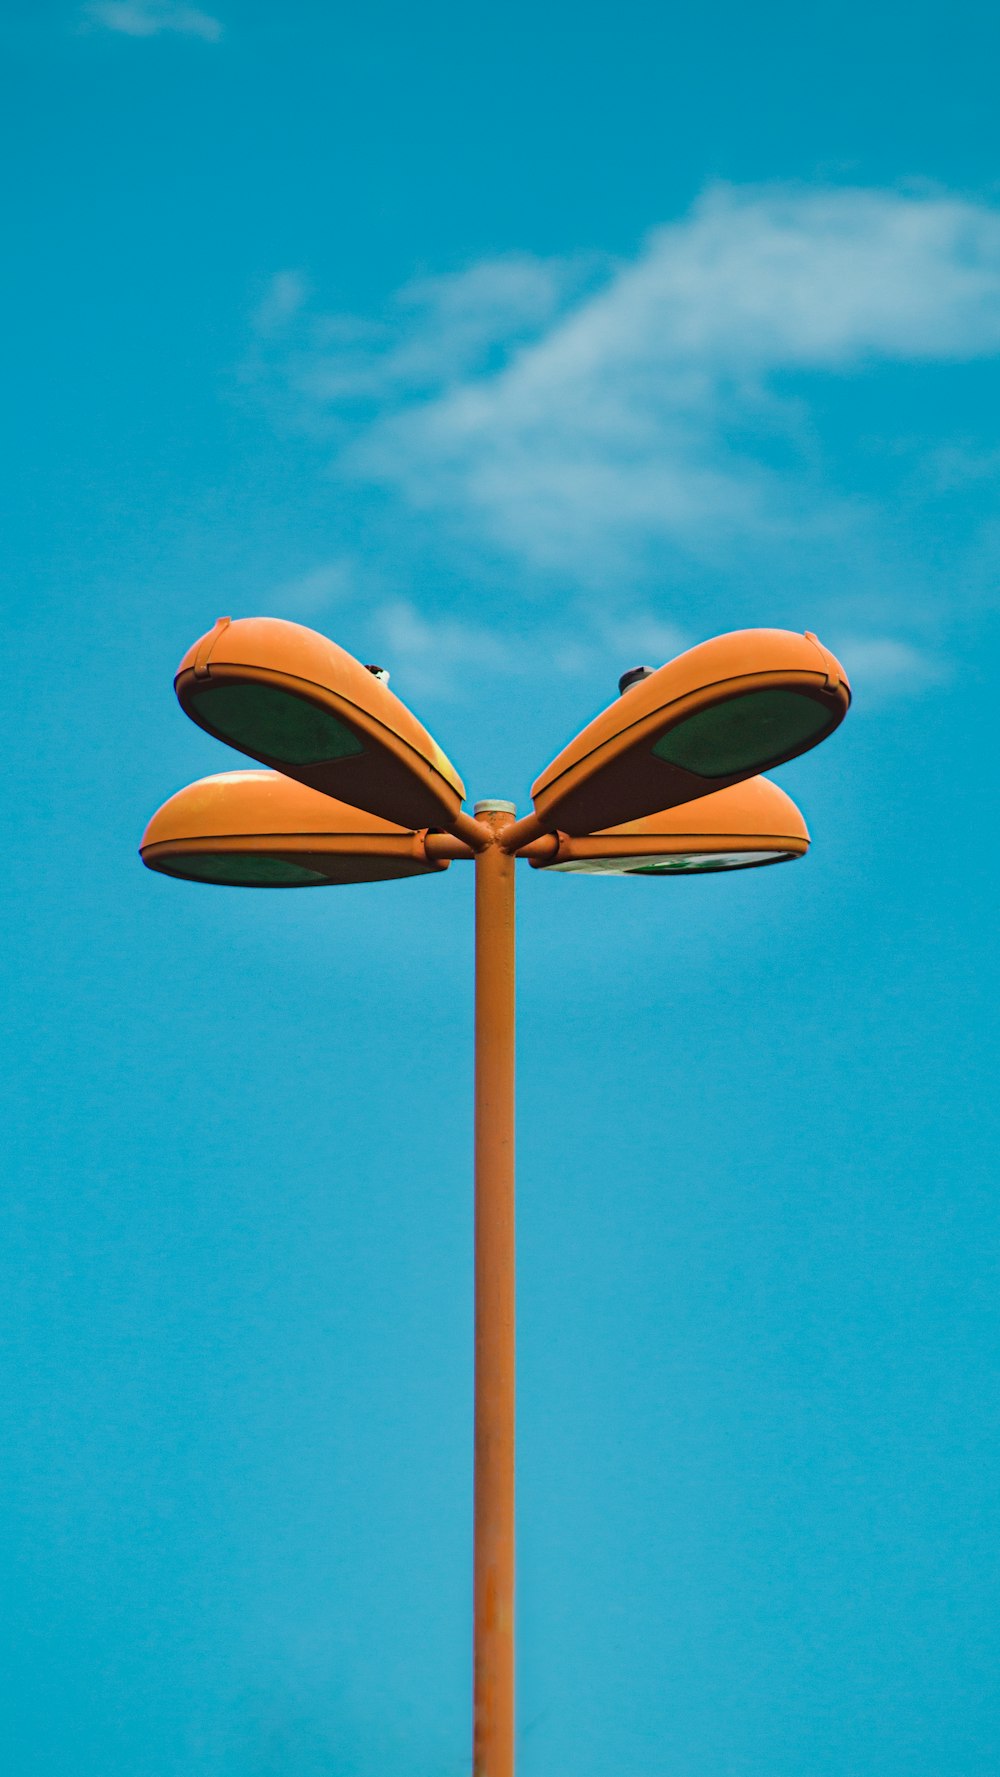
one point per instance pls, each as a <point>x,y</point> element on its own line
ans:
<point>257,829</point>
<point>289,697</point>
<point>740,828</point>
<point>719,714</point>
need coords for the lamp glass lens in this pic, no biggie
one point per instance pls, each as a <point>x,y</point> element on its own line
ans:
<point>264,719</point>
<point>677,864</point>
<point>241,869</point>
<point>708,860</point>
<point>744,733</point>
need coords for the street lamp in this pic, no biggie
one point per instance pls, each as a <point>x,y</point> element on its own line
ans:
<point>664,782</point>
<point>724,711</point>
<point>749,824</point>
<point>287,696</point>
<point>258,829</point>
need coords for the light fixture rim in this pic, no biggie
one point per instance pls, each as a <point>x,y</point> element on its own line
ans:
<point>187,681</point>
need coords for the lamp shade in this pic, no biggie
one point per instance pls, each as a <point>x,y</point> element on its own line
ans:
<point>740,828</point>
<point>720,713</point>
<point>257,829</point>
<point>294,700</point>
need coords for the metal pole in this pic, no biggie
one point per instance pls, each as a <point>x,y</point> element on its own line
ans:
<point>493,1552</point>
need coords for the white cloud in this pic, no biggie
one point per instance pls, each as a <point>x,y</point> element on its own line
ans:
<point>599,633</point>
<point>958,465</point>
<point>283,299</point>
<point>884,665</point>
<point>623,455</point>
<point>438,654</point>
<point>440,329</point>
<point>333,582</point>
<point>146,18</point>
<point>576,413</point>
<point>431,655</point>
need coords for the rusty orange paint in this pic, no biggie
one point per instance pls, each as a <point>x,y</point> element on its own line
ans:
<point>755,818</point>
<point>390,803</point>
<point>263,813</point>
<point>493,1552</point>
<point>395,769</point>
<point>610,772</point>
<point>448,845</point>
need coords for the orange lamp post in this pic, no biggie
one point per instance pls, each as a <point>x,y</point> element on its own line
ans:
<point>665,782</point>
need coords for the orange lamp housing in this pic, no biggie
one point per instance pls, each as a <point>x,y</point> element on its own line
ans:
<point>718,714</point>
<point>741,828</point>
<point>291,698</point>
<point>257,829</point>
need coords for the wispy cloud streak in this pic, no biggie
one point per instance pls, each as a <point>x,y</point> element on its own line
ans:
<point>571,410</point>
<point>588,416</point>
<point>147,18</point>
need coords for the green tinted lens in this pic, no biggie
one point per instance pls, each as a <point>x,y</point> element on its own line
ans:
<point>686,862</point>
<point>241,869</point>
<point>676,864</point>
<point>262,719</point>
<point>744,733</point>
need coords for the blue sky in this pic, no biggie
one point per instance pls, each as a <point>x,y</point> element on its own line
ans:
<point>510,349</point>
